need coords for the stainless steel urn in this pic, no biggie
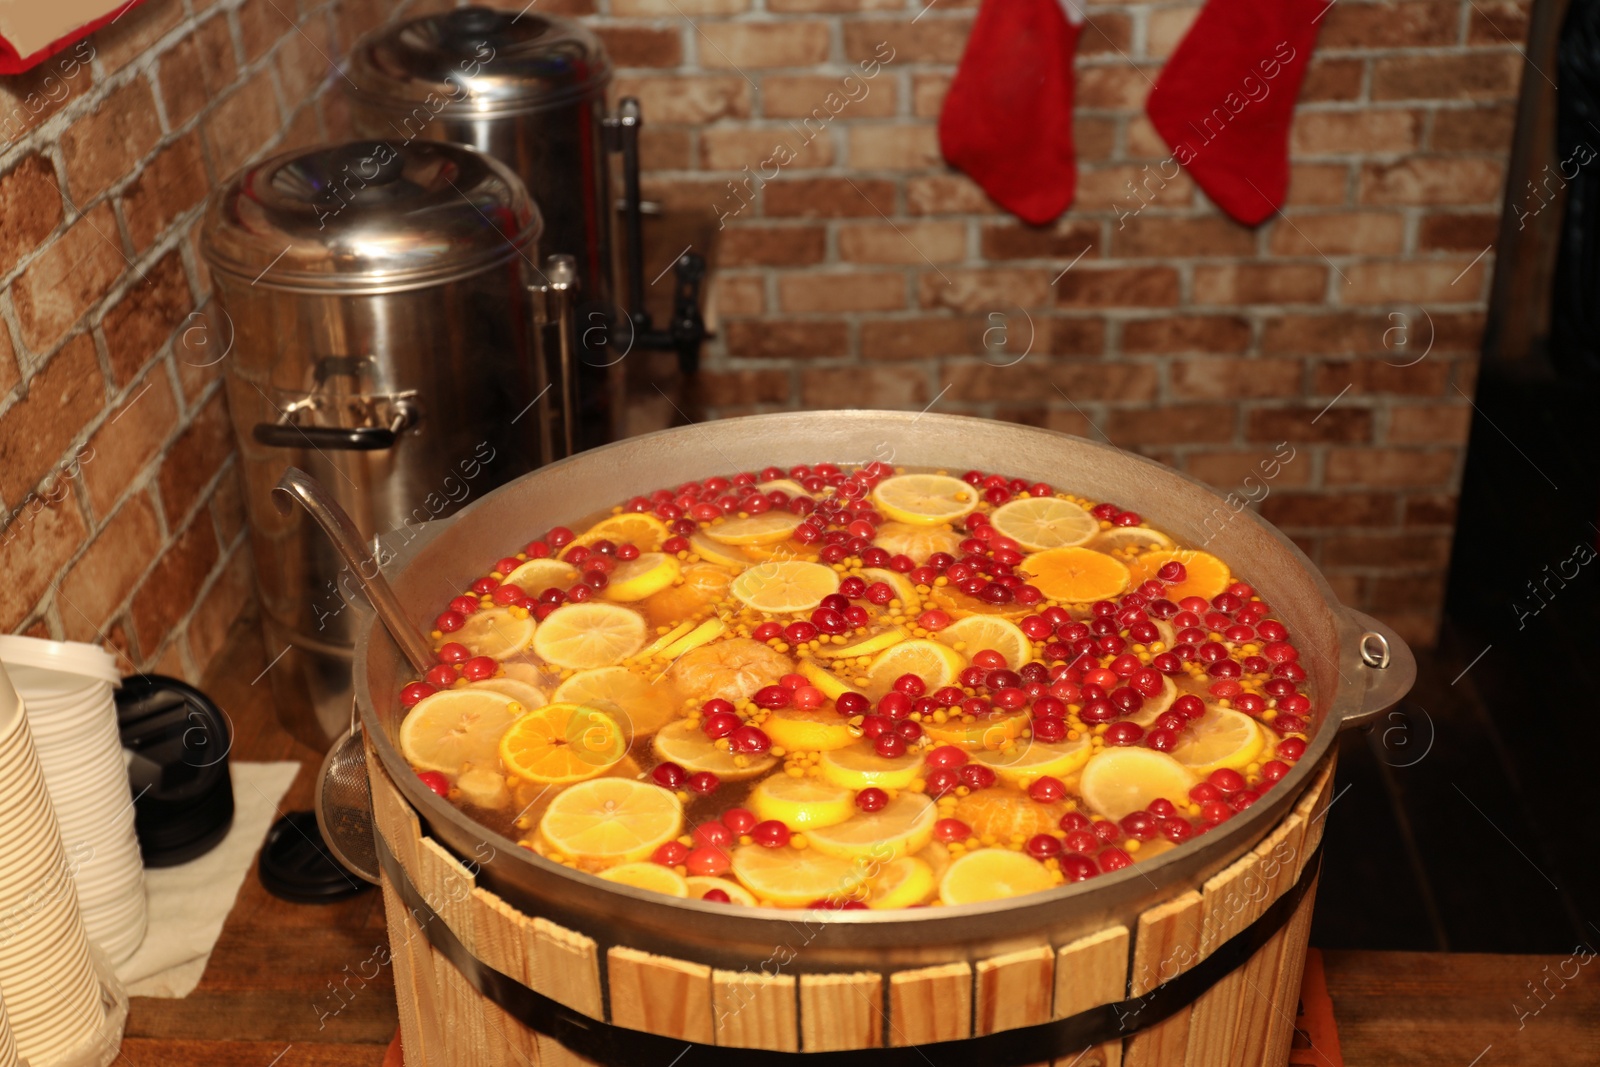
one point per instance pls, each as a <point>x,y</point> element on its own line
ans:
<point>382,321</point>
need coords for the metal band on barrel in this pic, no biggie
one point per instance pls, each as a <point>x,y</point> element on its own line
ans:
<point>617,1046</point>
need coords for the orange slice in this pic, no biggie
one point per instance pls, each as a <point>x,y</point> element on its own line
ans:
<point>645,532</point>
<point>1206,574</point>
<point>1005,815</point>
<point>702,586</point>
<point>904,590</point>
<point>1075,575</point>
<point>1029,759</point>
<point>924,499</point>
<point>737,894</point>
<point>607,821</point>
<point>991,731</point>
<point>904,883</point>
<point>859,767</point>
<point>1129,540</point>
<point>802,803</point>
<point>651,876</point>
<point>917,542</point>
<point>1040,522</point>
<point>561,743</point>
<point>537,575</point>
<point>993,874</point>
<point>783,587</point>
<point>685,744</point>
<point>959,605</point>
<point>732,669</point>
<point>808,731</point>
<point>1155,706</point>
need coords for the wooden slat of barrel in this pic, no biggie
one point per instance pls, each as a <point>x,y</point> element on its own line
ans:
<point>1266,1026</point>
<point>1230,901</point>
<point>841,1011</point>
<point>505,941</point>
<point>1015,989</point>
<point>420,1016</point>
<point>755,1010</point>
<point>659,994</point>
<point>930,1004</point>
<point>1091,971</point>
<point>1164,946</point>
<point>1313,808</point>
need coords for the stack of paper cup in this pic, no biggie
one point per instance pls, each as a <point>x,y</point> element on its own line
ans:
<point>52,998</point>
<point>8,1044</point>
<point>66,687</point>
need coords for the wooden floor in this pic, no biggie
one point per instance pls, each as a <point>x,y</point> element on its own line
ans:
<point>284,986</point>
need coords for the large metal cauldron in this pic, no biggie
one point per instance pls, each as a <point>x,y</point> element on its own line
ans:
<point>1342,651</point>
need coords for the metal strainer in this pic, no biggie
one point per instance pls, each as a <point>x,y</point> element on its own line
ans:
<point>344,805</point>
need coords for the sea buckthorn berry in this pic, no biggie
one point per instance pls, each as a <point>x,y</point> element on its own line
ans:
<point>707,862</point>
<point>770,834</point>
<point>772,696</point>
<point>1043,846</point>
<point>670,854</point>
<point>714,833</point>
<point>670,775</point>
<point>705,783</point>
<point>1291,748</point>
<point>1047,790</point>
<point>449,622</point>
<point>767,631</point>
<point>413,694</point>
<point>1228,782</point>
<point>950,830</point>
<point>872,799</point>
<point>852,704</point>
<point>977,776</point>
<point>479,668</point>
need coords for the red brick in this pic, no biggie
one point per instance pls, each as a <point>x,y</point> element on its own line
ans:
<point>823,97</point>
<point>1059,420</point>
<point>68,278</point>
<point>1107,33</point>
<point>103,147</point>
<point>1073,336</point>
<point>1160,237</point>
<point>742,45</point>
<point>1171,426</point>
<point>986,289</point>
<point>1431,182</point>
<point>170,185</point>
<point>862,387</point>
<point>664,148</point>
<point>34,546</point>
<point>676,8</point>
<point>1061,241</point>
<point>1103,287</point>
<point>922,338</point>
<point>239,126</point>
<point>145,317</point>
<point>1390,25</point>
<point>131,437</point>
<point>30,208</point>
<point>1386,550</point>
<point>1390,467</point>
<point>781,246</point>
<point>642,46</point>
<point>1431,509</point>
<point>9,375</point>
<point>194,459</point>
<point>947,195</point>
<point>1126,189</point>
<point>1166,27</point>
<point>1448,281</point>
<point>262,23</point>
<point>1332,80</point>
<point>1453,232</point>
<point>233,588</point>
<point>780,338</point>
<point>133,32</point>
<point>903,242</point>
<point>1394,336</point>
<point>1034,379</point>
<point>1224,379</point>
<point>693,196</point>
<point>227,506</point>
<point>1324,184</point>
<point>763,148</point>
<point>35,431</point>
<point>1429,424</point>
<point>899,41</point>
<point>693,100</point>
<point>1474,75</point>
<point>1227,470</point>
<point>893,146</point>
<point>828,198</point>
<point>303,60</point>
<point>109,568</point>
<point>1094,139</point>
<point>1302,510</point>
<point>1186,333</point>
<point>29,99</point>
<point>855,291</point>
<point>1397,592</point>
<point>736,294</point>
<point>928,92</point>
<point>1261,283</point>
<point>1342,423</point>
<point>1338,233</point>
<point>1359,133</point>
<point>722,388</point>
<point>1374,377</point>
<point>1502,23</point>
<point>1473,129</point>
<point>794,7</point>
<point>173,584</point>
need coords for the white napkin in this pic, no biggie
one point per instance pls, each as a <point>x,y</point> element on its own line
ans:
<point>189,903</point>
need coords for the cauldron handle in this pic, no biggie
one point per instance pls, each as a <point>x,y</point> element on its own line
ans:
<point>297,486</point>
<point>1387,664</point>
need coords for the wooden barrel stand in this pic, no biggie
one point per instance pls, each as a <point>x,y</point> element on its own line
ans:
<point>1245,1019</point>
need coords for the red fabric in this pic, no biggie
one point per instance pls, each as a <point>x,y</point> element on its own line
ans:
<point>1007,119</point>
<point>1225,100</point>
<point>11,63</point>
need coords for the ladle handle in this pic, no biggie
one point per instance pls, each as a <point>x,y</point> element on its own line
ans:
<point>299,487</point>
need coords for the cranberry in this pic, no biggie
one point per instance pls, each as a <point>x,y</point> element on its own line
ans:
<point>772,696</point>
<point>716,705</point>
<point>908,729</point>
<point>739,820</point>
<point>1243,799</point>
<point>767,631</point>
<point>413,694</point>
<point>1176,830</point>
<point>911,685</point>
<point>720,724</point>
<point>977,776</point>
<point>1010,698</point>
<point>829,621</point>
<point>670,775</point>
<point>1049,730</point>
<point>1203,792</point>
<point>872,799</point>
<point>941,780</point>
<point>1047,790</point>
<point>1295,704</point>
<point>435,781</point>
<point>889,745</point>
<point>1082,841</point>
<point>705,783</point>
<point>1292,671</point>
<point>1126,700</point>
<point>1189,706</point>
<point>770,834</point>
<point>714,833</point>
<point>1167,663</point>
<point>798,633</point>
<point>1227,781</point>
<point>454,652</point>
<point>809,697</point>
<point>441,676</point>
<point>1107,831</point>
<point>1224,668</point>
<point>894,705</point>
<point>707,862</point>
<point>750,740</point>
<point>1097,711</point>
<point>1291,748</point>
<point>1078,867</point>
<point>1140,825</point>
<point>1113,859</point>
<point>1162,740</point>
<point>949,830</point>
<point>479,668</point>
<point>1172,572</point>
<point>1274,770</point>
<point>1272,630</point>
<point>1213,812</point>
<point>1043,847</point>
<point>1124,733</point>
<point>1289,724</point>
<point>1074,820</point>
<point>852,704</point>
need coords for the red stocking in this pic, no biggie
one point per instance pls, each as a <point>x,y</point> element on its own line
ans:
<point>1225,100</point>
<point>1007,120</point>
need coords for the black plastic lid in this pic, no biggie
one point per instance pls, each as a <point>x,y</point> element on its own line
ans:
<point>179,778</point>
<point>296,865</point>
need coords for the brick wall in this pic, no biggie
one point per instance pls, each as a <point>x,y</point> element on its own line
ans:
<point>869,274</point>
<point>119,489</point>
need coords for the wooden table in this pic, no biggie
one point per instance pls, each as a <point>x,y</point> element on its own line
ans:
<point>284,986</point>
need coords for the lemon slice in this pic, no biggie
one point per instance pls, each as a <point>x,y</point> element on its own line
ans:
<point>1220,738</point>
<point>1124,540</point>
<point>904,590</point>
<point>583,636</point>
<point>452,728</point>
<point>870,645</point>
<point>537,575</point>
<point>607,821</point>
<point>561,743</point>
<point>703,634</point>
<point>993,731</point>
<point>936,664</point>
<point>783,485</point>
<point>808,731</point>
<point>1120,780</point>
<point>916,542</point>
<point>859,767</point>
<point>636,579</point>
<point>737,894</point>
<point>763,529</point>
<point>644,532</point>
<point>833,687</point>
<point>641,706</point>
<point>499,633</point>
<point>899,828</point>
<point>721,555</point>
<point>1040,522</point>
<point>924,499</point>
<point>524,693</point>
<point>992,874</point>
<point>975,633</point>
<point>685,744</point>
<point>1154,707</point>
<point>785,586</point>
<point>801,803</point>
<point>651,876</point>
<point>666,640</point>
<point>790,549</point>
<point>903,883</point>
<point>1026,760</point>
<point>792,877</point>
